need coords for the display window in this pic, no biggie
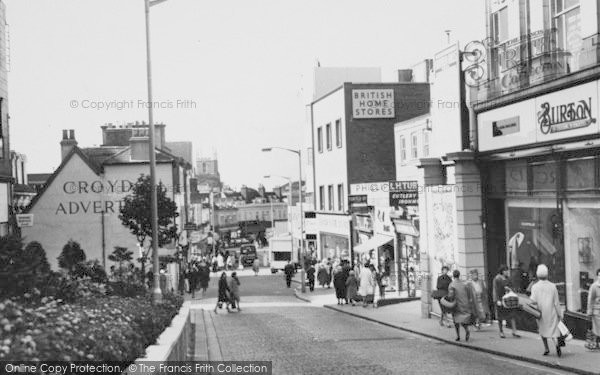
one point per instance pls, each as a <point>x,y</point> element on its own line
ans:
<point>533,239</point>
<point>582,238</point>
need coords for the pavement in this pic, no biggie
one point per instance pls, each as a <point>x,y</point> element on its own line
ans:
<point>406,317</point>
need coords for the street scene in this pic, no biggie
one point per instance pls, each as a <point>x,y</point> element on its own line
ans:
<point>268,187</point>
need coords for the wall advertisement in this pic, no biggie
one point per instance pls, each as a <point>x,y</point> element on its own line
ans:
<point>373,103</point>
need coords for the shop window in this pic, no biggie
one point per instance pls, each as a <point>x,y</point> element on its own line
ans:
<point>581,174</point>
<point>534,238</point>
<point>582,243</point>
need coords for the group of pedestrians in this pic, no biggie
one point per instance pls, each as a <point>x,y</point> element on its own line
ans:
<point>359,284</point>
<point>223,261</point>
<point>467,303</point>
<point>228,292</point>
<point>197,275</point>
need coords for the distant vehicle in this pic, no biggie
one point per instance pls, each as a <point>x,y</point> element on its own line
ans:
<point>280,253</point>
<point>248,254</point>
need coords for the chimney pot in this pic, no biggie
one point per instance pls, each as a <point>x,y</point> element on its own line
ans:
<point>65,134</point>
<point>72,134</point>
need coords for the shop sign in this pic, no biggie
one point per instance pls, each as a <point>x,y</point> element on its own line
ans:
<point>364,223</point>
<point>357,200</point>
<point>564,117</point>
<point>25,220</point>
<point>404,193</point>
<point>373,103</point>
<point>370,187</point>
<point>504,127</point>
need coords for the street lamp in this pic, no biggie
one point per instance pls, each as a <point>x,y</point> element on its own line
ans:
<point>156,293</point>
<point>299,153</point>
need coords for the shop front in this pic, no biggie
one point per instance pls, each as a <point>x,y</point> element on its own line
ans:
<point>541,201</point>
<point>333,236</point>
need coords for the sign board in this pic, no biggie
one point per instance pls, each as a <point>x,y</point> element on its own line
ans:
<point>357,200</point>
<point>404,193</point>
<point>25,220</point>
<point>373,103</point>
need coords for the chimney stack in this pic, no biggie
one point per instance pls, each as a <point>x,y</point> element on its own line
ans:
<point>67,143</point>
<point>140,144</point>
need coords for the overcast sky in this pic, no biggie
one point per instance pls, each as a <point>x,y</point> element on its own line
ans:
<point>241,70</point>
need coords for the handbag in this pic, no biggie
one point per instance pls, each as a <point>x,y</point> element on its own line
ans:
<point>510,300</point>
<point>532,309</point>
<point>565,335</point>
<point>449,304</point>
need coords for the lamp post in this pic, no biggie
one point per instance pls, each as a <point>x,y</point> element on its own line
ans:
<point>299,153</point>
<point>156,293</point>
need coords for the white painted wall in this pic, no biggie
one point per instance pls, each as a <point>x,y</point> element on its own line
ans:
<point>331,167</point>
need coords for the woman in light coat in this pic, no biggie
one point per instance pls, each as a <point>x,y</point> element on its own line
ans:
<point>367,283</point>
<point>594,307</point>
<point>479,289</point>
<point>545,294</point>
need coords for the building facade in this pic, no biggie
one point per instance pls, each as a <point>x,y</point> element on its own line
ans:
<point>81,199</point>
<point>538,142</point>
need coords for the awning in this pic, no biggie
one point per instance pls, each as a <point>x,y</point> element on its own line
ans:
<point>373,243</point>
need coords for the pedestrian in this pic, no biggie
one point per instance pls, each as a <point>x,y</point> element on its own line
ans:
<point>593,307</point>
<point>345,273</point>
<point>288,270</point>
<point>351,287</point>
<point>322,274</point>
<point>480,300</point>
<point>339,283</point>
<point>203,277</point>
<point>215,264</point>
<point>443,282</point>
<point>234,291</point>
<point>255,267</point>
<point>462,294</point>
<point>501,286</point>
<point>192,276</point>
<point>379,278</point>
<point>545,294</point>
<point>220,262</point>
<point>230,259</point>
<point>310,274</point>
<point>367,284</point>
<point>223,295</point>
<point>329,272</point>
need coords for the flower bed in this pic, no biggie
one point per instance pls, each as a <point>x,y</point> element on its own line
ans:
<point>97,327</point>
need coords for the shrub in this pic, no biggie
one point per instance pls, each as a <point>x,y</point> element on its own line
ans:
<point>90,269</point>
<point>21,270</point>
<point>125,289</point>
<point>71,254</point>
<point>99,329</point>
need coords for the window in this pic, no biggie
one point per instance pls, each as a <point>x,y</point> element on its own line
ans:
<point>320,139</point>
<point>328,135</point>
<point>322,198</point>
<point>340,192</point>
<point>331,198</point>
<point>500,25</point>
<point>402,146</point>
<point>567,22</point>
<point>338,133</point>
<point>425,143</point>
<point>414,144</point>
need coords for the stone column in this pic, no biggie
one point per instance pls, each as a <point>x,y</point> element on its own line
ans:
<point>431,173</point>
<point>468,212</point>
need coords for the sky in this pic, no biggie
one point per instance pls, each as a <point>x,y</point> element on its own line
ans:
<point>230,76</point>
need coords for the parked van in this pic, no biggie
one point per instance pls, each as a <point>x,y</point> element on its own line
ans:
<point>248,254</point>
<point>280,252</point>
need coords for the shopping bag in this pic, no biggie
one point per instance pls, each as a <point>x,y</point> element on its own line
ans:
<point>564,331</point>
<point>590,340</point>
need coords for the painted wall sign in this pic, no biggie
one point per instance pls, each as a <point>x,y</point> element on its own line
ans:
<point>373,103</point>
